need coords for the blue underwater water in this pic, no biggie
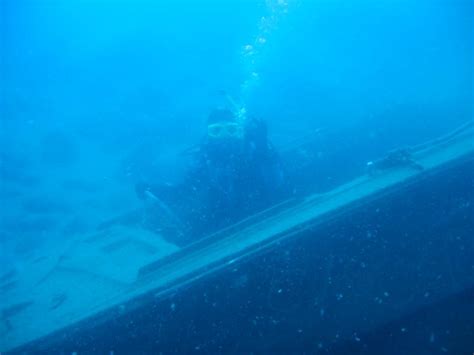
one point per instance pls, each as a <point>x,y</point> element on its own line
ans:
<point>98,97</point>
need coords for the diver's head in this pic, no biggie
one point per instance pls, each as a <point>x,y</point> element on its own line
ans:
<point>222,125</point>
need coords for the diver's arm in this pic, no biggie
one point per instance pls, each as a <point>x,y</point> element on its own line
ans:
<point>165,192</point>
<point>257,132</point>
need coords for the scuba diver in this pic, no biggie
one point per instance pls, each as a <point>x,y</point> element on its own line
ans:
<point>235,172</point>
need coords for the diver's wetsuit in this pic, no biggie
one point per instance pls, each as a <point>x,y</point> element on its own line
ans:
<point>228,181</point>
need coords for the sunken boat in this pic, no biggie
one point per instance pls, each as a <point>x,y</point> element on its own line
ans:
<point>376,255</point>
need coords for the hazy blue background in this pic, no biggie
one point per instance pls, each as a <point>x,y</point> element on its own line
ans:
<point>98,94</point>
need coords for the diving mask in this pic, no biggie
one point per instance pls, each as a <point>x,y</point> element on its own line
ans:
<point>225,130</point>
